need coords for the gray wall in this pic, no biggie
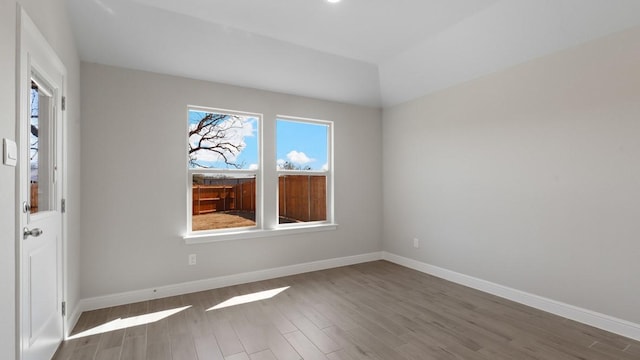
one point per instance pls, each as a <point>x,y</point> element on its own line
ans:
<point>7,180</point>
<point>529,177</point>
<point>51,19</point>
<point>134,181</point>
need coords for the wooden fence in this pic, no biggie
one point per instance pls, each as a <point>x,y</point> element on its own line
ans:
<point>301,197</point>
<point>212,198</point>
<point>34,197</point>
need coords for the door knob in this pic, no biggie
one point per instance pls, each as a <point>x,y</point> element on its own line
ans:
<point>33,232</point>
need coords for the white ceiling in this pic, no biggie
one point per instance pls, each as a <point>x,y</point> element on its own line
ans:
<point>367,30</point>
<point>368,52</point>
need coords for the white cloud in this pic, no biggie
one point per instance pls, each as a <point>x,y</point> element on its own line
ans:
<point>253,167</point>
<point>325,167</point>
<point>299,158</point>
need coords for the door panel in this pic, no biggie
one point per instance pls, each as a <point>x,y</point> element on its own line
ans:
<point>41,121</point>
<point>42,285</point>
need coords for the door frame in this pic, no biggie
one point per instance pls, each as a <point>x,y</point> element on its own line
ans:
<point>28,32</point>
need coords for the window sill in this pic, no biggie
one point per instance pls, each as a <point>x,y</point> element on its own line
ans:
<point>259,233</point>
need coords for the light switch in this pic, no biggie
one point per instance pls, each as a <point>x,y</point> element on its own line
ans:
<point>10,152</point>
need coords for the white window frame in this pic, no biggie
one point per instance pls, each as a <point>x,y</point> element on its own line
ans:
<point>328,173</point>
<point>262,229</point>
<point>257,172</point>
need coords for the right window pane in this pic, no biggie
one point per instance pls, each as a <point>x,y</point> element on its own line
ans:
<point>303,165</point>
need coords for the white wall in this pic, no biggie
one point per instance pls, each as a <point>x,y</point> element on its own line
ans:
<point>529,177</point>
<point>7,180</point>
<point>134,181</point>
<point>51,19</point>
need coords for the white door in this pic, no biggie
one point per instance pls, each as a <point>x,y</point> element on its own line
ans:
<point>40,117</point>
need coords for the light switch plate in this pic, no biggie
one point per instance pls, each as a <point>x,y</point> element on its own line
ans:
<point>10,152</point>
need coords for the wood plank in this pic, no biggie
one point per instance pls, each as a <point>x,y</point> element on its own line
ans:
<point>304,346</point>
<point>111,339</point>
<point>158,332</point>
<point>183,347</point>
<point>225,334</point>
<point>207,348</point>
<point>354,349</point>
<point>109,354</point>
<point>280,347</point>
<point>316,336</point>
<point>263,355</point>
<point>277,319</point>
<point>251,333</point>
<point>84,352</point>
<point>238,356</point>
<point>134,348</point>
<point>340,355</point>
<point>158,351</point>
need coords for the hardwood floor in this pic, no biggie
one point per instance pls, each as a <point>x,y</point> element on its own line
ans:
<point>376,310</point>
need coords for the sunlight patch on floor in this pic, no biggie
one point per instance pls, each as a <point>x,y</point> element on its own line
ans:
<point>121,323</point>
<point>244,299</point>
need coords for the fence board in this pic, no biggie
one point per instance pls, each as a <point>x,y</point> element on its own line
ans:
<point>34,197</point>
<point>318,198</point>
<point>211,198</point>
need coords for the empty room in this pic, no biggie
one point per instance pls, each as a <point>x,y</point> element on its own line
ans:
<point>320,179</point>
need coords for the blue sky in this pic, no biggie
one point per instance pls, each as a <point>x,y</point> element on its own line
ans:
<point>303,144</point>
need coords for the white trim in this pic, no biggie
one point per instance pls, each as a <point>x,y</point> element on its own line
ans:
<point>329,173</point>
<point>72,319</point>
<point>585,316</point>
<point>304,120</point>
<point>218,282</point>
<point>253,233</point>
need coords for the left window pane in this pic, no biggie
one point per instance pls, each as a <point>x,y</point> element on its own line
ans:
<point>223,164</point>
<point>222,141</point>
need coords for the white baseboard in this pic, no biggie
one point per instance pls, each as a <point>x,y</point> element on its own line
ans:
<point>592,318</point>
<point>214,283</point>
<point>72,319</point>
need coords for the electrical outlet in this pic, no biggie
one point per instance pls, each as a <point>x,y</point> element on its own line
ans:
<point>192,259</point>
<point>416,243</point>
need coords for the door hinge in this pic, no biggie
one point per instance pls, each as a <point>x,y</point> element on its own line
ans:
<point>64,103</point>
<point>63,206</point>
<point>64,308</point>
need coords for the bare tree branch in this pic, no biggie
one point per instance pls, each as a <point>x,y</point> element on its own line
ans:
<point>213,133</point>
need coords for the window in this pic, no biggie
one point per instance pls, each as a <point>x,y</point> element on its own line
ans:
<point>302,148</point>
<point>226,176</point>
<point>223,169</point>
<point>40,148</point>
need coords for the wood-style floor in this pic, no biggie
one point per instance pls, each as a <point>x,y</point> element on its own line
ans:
<point>376,310</point>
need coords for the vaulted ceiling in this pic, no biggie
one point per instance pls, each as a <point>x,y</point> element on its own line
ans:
<point>368,52</point>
